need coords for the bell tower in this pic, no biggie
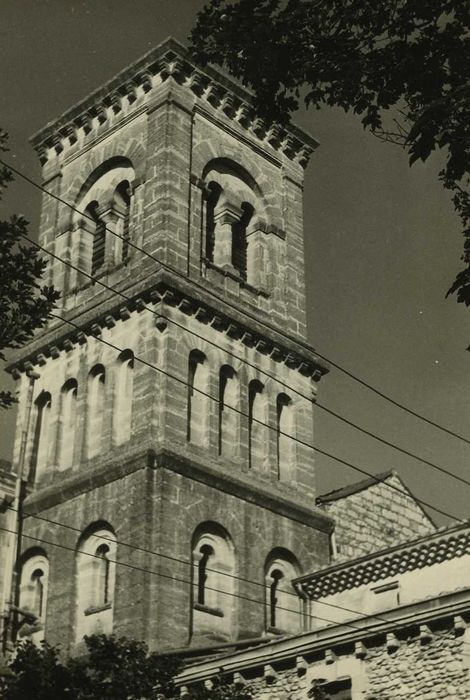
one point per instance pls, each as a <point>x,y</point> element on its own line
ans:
<point>171,486</point>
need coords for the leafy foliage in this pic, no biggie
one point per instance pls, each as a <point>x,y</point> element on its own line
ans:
<point>38,674</point>
<point>114,668</point>
<point>123,669</point>
<point>24,304</point>
<point>402,65</point>
<point>221,690</point>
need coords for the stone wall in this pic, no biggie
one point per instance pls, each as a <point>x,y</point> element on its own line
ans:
<point>157,509</point>
<point>437,670</point>
<point>374,517</point>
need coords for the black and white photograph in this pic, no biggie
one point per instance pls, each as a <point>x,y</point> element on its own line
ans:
<point>234,344</point>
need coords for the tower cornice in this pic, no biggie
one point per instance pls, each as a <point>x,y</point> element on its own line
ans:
<point>212,86</point>
<point>169,290</point>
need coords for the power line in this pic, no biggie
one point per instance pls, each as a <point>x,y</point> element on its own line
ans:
<point>392,401</point>
<point>178,560</point>
<point>129,242</point>
<point>443,470</point>
<point>303,614</point>
<point>163,575</point>
<point>266,425</point>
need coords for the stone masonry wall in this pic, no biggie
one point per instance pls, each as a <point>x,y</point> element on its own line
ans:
<point>158,510</point>
<point>375,518</point>
<point>434,671</point>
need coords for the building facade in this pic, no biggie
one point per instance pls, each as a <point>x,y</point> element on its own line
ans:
<point>386,625</point>
<point>169,416</point>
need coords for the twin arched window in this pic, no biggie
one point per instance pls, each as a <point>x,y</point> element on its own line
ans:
<point>231,200</point>
<point>214,587</point>
<point>104,226</point>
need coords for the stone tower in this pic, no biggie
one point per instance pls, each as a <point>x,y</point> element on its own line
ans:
<point>167,500</point>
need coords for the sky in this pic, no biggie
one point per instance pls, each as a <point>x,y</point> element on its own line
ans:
<point>382,246</point>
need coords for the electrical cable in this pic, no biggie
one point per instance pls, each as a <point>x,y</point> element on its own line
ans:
<point>266,425</point>
<point>303,614</point>
<point>443,470</point>
<point>247,312</point>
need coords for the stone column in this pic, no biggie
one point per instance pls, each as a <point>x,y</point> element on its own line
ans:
<point>224,219</point>
<point>82,249</point>
<point>113,218</point>
<point>257,259</point>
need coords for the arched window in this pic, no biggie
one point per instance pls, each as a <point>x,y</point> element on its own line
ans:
<point>96,574</point>
<point>68,423</point>
<point>258,432</point>
<point>105,198</point>
<point>214,580</point>
<point>122,201</point>
<point>239,240</point>
<point>33,594</point>
<point>276,575</point>
<point>198,399</point>
<point>283,606</point>
<point>229,417</point>
<point>99,237</point>
<point>205,552</point>
<point>95,409</point>
<point>212,197</point>
<point>284,438</point>
<point>41,446</point>
<point>232,198</point>
<point>123,395</point>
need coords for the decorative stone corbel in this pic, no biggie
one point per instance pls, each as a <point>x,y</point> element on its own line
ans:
<point>330,656</point>
<point>244,115</point>
<point>238,680</point>
<point>459,625</point>
<point>392,643</point>
<point>109,321</point>
<point>360,650</point>
<point>301,665</point>
<point>425,634</point>
<point>269,673</point>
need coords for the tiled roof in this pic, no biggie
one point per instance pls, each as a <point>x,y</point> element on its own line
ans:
<point>431,549</point>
